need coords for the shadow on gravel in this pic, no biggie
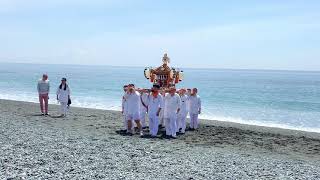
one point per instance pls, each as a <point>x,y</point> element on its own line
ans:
<point>35,115</point>
<point>161,134</point>
<point>40,115</point>
<point>55,116</point>
<point>210,135</point>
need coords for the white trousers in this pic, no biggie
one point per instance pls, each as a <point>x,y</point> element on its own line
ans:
<point>194,121</point>
<point>143,117</point>
<point>181,122</point>
<point>64,108</point>
<point>125,122</point>
<point>153,124</point>
<point>171,125</point>
<point>161,118</point>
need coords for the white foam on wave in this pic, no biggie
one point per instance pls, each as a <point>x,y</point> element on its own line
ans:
<point>94,103</point>
<point>258,123</point>
<point>19,97</point>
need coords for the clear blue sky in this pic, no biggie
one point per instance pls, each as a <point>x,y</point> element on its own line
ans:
<point>249,34</point>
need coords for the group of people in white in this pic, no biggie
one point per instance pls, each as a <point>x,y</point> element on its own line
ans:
<point>163,109</point>
<point>63,95</point>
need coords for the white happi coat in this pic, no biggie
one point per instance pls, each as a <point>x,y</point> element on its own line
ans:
<point>133,102</point>
<point>194,104</point>
<point>172,104</point>
<point>184,105</point>
<point>154,104</point>
<point>144,98</point>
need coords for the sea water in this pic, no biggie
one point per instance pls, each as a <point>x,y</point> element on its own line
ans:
<point>285,99</point>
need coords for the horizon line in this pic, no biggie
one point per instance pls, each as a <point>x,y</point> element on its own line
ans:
<point>204,68</point>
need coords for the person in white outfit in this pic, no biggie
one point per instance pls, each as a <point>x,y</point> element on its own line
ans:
<point>188,104</point>
<point>161,116</point>
<point>181,121</point>
<point>124,107</point>
<point>194,108</point>
<point>63,96</point>
<point>155,104</point>
<point>143,107</point>
<point>133,114</point>
<point>171,110</point>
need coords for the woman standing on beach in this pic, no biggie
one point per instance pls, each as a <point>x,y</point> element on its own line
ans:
<point>63,96</point>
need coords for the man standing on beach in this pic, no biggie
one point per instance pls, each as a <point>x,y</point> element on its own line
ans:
<point>181,122</point>
<point>133,114</point>
<point>43,88</point>
<point>155,104</point>
<point>124,108</point>
<point>171,109</point>
<point>194,109</point>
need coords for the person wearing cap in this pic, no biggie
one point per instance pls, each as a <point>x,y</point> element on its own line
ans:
<point>63,96</point>
<point>155,104</point>
<point>133,113</point>
<point>43,88</point>
<point>181,121</point>
<point>124,107</point>
<point>171,109</point>
<point>194,108</point>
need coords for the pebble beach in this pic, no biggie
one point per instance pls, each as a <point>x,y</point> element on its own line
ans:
<point>87,145</point>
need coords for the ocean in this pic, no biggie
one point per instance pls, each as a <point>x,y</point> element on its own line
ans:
<point>284,99</point>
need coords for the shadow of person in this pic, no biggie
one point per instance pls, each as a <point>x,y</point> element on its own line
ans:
<point>35,114</point>
<point>121,132</point>
<point>59,116</point>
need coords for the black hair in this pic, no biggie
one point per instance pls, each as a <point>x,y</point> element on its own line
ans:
<point>125,86</point>
<point>65,87</point>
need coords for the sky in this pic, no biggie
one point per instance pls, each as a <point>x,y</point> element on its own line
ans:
<point>246,34</point>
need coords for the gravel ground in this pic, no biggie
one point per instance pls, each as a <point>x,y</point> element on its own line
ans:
<point>85,145</point>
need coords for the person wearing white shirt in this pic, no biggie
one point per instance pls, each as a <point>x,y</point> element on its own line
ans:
<point>181,121</point>
<point>63,96</point>
<point>161,116</point>
<point>171,109</point>
<point>155,104</point>
<point>133,112</point>
<point>188,104</point>
<point>194,108</point>
<point>143,108</point>
<point>124,107</point>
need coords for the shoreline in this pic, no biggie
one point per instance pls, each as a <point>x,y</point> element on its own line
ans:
<point>86,145</point>
<point>275,130</point>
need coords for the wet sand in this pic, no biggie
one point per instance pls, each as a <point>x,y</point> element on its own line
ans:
<point>88,145</point>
